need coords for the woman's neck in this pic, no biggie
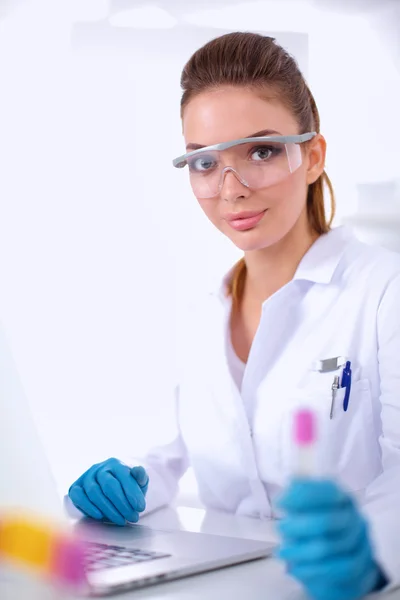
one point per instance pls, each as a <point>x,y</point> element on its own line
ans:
<point>271,268</point>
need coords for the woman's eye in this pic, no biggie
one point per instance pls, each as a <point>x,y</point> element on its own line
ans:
<point>204,163</point>
<point>263,153</point>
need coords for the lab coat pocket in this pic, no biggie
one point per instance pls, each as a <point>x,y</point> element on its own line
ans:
<point>346,443</point>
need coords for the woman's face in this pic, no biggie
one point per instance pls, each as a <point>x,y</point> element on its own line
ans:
<point>230,113</point>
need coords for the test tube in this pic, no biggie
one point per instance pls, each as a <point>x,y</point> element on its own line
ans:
<point>304,437</point>
<point>44,548</point>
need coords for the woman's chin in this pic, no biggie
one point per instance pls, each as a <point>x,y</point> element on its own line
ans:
<point>253,240</point>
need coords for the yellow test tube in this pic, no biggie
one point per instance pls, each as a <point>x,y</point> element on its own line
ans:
<point>26,541</point>
<point>43,548</point>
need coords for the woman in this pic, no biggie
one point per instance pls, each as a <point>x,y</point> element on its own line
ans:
<point>260,346</point>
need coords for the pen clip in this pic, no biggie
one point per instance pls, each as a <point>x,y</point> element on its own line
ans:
<point>336,383</point>
<point>335,387</point>
<point>346,383</point>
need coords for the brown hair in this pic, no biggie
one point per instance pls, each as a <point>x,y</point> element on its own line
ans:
<point>255,61</point>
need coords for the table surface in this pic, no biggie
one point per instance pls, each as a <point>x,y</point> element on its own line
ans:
<point>255,580</point>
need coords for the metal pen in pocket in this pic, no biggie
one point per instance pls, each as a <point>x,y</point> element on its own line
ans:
<point>335,387</point>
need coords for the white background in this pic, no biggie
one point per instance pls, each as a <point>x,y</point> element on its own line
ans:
<point>101,241</point>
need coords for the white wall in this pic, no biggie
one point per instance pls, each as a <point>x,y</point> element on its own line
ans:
<point>101,242</point>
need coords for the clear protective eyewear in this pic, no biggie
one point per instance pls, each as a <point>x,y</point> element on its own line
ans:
<point>257,162</point>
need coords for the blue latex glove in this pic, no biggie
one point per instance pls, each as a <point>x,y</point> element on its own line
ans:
<point>111,491</point>
<point>325,542</point>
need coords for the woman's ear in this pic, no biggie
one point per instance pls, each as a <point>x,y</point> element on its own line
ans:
<point>316,153</point>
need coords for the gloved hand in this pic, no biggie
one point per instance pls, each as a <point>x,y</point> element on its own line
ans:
<point>325,542</point>
<point>111,491</point>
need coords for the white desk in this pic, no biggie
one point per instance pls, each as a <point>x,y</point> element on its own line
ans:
<point>258,580</point>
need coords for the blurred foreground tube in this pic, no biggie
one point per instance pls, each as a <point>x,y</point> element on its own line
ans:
<point>43,549</point>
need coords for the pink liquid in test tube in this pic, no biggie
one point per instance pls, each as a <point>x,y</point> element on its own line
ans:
<point>304,437</point>
<point>68,565</point>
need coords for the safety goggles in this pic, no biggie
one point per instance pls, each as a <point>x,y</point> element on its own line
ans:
<point>257,162</point>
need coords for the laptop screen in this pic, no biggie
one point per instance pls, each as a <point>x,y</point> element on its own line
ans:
<point>26,480</point>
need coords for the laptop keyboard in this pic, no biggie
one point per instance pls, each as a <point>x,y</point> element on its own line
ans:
<point>104,556</point>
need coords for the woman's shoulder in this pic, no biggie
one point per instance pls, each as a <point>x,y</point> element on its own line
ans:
<point>363,260</point>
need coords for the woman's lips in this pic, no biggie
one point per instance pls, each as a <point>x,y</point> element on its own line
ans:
<point>245,220</point>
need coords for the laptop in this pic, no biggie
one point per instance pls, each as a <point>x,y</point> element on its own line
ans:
<point>118,558</point>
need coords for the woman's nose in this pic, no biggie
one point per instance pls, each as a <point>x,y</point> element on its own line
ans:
<point>232,186</point>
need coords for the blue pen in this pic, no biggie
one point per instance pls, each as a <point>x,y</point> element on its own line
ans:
<point>346,382</point>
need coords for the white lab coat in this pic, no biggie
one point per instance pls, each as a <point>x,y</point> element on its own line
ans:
<point>344,300</point>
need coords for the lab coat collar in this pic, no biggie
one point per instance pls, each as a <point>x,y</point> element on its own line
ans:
<point>322,259</point>
<point>319,263</point>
